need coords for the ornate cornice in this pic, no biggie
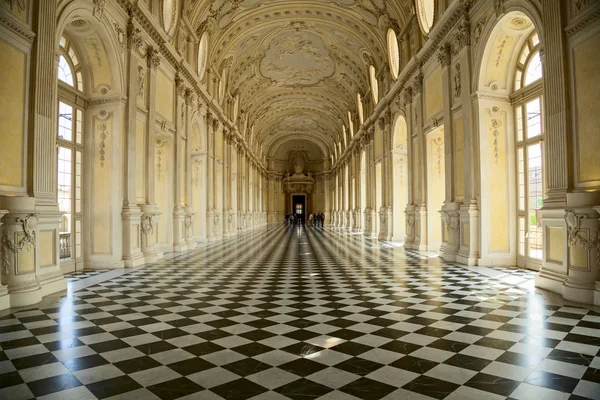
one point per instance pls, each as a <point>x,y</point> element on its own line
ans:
<point>17,27</point>
<point>582,22</point>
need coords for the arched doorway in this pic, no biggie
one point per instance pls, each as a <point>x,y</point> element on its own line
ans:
<point>399,178</point>
<point>88,140</point>
<point>511,131</point>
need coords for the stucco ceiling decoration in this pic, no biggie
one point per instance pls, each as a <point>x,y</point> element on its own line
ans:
<point>297,66</point>
<point>297,58</point>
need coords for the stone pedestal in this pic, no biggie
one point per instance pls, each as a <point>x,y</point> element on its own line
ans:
<point>188,224</point>
<point>468,215</point>
<point>179,241</point>
<point>132,251</point>
<point>385,220</point>
<point>410,226</point>
<point>420,228</point>
<point>450,231</point>
<point>583,241</point>
<point>148,232</point>
<point>24,280</point>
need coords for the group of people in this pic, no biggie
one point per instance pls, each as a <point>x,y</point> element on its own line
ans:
<point>316,219</point>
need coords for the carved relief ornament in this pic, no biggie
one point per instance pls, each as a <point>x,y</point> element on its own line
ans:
<point>26,242</point>
<point>576,239</point>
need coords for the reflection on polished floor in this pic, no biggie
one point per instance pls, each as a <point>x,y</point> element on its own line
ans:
<point>288,312</point>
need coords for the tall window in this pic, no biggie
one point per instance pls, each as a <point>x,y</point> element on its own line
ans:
<point>529,131</point>
<point>70,157</point>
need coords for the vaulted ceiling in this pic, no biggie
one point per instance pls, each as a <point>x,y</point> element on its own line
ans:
<point>297,65</point>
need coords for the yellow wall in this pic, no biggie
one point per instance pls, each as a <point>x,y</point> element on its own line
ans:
<point>588,118</point>
<point>47,248</point>
<point>434,101</point>
<point>96,53</point>
<point>164,95</point>
<point>26,258</point>
<point>12,102</point>
<point>378,141</point>
<point>459,159</point>
<point>498,188</point>
<point>140,159</point>
<point>554,244</point>
<point>101,187</point>
<point>415,170</point>
<point>578,256</point>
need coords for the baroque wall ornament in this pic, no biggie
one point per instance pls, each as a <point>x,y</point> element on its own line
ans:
<point>99,8</point>
<point>141,81</point>
<point>576,239</point>
<point>19,3</point>
<point>478,29</point>
<point>26,242</point>
<point>438,142</point>
<point>120,33</point>
<point>457,83</point>
<point>496,125</point>
<point>102,128</point>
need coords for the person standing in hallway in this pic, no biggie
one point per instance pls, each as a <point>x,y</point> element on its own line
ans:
<point>310,220</point>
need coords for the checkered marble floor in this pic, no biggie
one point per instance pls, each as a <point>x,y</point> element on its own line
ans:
<point>293,313</point>
<point>83,274</point>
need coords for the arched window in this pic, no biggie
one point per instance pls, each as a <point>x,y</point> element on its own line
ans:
<point>202,55</point>
<point>70,140</point>
<point>350,126</point>
<point>529,65</point>
<point>393,53</point>
<point>425,14</point>
<point>529,132</point>
<point>168,14</point>
<point>374,84</point>
<point>69,70</point>
<point>359,107</point>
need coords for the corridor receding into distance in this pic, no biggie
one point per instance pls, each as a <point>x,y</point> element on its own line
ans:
<point>301,313</point>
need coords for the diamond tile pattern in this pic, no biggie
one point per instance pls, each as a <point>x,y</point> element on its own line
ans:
<point>291,312</point>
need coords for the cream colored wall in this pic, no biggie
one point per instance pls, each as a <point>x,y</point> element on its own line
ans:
<point>587,84</point>
<point>47,248</point>
<point>434,97</point>
<point>102,187</point>
<point>12,103</point>
<point>164,95</point>
<point>140,161</point>
<point>459,159</point>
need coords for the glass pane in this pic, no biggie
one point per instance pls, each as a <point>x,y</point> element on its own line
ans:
<point>65,121</point>
<point>519,118</point>
<point>78,181</point>
<point>524,55</point>
<point>521,178</point>
<point>64,71</point>
<point>518,77</point>
<point>535,191</point>
<point>78,126</point>
<point>521,236</point>
<point>64,200</point>
<point>534,119</point>
<point>534,69</point>
<point>535,39</point>
<point>77,238</point>
<point>79,82</point>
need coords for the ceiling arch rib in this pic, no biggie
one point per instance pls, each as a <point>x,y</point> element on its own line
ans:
<point>297,66</point>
